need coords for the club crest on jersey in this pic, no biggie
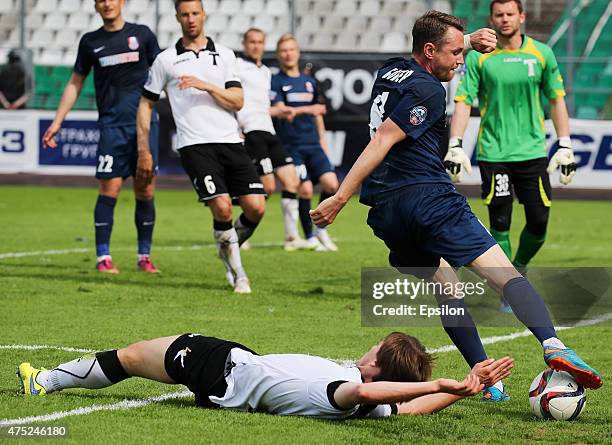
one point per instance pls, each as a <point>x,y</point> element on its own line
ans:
<point>133,43</point>
<point>418,115</point>
<point>309,87</point>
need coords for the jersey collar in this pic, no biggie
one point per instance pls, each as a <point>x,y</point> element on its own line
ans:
<point>180,48</point>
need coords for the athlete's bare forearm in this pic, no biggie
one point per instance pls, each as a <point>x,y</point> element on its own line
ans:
<point>143,124</point>
<point>232,99</point>
<point>427,404</point>
<point>560,116</point>
<point>460,119</point>
<point>69,97</point>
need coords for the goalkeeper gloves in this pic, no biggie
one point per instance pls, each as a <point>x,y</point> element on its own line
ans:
<point>455,159</point>
<point>564,158</point>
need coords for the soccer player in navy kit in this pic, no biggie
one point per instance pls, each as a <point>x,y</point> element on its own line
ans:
<point>426,224</point>
<point>301,129</point>
<point>120,54</point>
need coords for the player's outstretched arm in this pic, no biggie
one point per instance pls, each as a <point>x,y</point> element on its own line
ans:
<point>407,394</point>
<point>387,135</point>
<point>281,111</point>
<point>69,97</point>
<point>144,167</point>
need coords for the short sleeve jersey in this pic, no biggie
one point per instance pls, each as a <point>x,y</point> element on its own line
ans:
<point>414,100</point>
<point>256,80</point>
<point>508,85</point>
<point>292,384</point>
<point>295,92</point>
<point>199,118</point>
<point>121,61</point>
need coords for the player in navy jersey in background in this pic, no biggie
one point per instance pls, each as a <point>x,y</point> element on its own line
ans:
<point>300,127</point>
<point>426,224</point>
<point>120,54</point>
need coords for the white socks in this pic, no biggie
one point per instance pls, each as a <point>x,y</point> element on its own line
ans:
<point>290,215</point>
<point>553,342</point>
<point>84,372</point>
<point>229,251</point>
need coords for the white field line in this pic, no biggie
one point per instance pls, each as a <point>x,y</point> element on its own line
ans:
<point>124,404</point>
<point>123,249</point>
<point>138,403</point>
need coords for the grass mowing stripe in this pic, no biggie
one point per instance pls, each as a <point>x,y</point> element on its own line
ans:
<point>129,404</point>
<point>124,404</point>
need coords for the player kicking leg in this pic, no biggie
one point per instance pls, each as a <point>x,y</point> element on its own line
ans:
<point>393,377</point>
<point>415,208</point>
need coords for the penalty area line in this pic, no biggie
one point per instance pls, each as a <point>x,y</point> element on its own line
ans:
<point>138,403</point>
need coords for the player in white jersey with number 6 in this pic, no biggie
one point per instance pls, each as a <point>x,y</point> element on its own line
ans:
<point>202,83</point>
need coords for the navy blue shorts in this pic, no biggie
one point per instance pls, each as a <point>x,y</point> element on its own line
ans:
<point>117,154</point>
<point>310,161</point>
<point>422,223</point>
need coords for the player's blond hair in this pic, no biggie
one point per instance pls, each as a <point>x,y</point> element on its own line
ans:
<point>285,38</point>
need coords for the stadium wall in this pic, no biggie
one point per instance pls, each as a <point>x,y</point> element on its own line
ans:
<point>21,150</point>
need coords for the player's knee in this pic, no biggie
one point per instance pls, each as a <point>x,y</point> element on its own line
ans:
<point>269,187</point>
<point>131,357</point>
<point>305,190</point>
<point>255,211</point>
<point>537,226</point>
<point>222,209</point>
<point>500,219</point>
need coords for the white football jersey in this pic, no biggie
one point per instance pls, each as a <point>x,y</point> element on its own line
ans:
<point>256,83</point>
<point>199,119</point>
<point>291,384</point>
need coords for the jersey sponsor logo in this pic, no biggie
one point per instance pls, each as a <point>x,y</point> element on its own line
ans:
<point>119,59</point>
<point>397,75</point>
<point>418,115</point>
<point>287,88</point>
<point>97,50</point>
<point>133,43</point>
<point>184,59</point>
<point>300,97</point>
<point>309,87</point>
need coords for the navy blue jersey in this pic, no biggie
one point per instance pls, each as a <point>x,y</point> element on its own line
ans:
<point>416,101</point>
<point>295,92</point>
<point>121,61</point>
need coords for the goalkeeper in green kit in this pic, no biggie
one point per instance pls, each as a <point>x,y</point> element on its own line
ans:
<point>511,146</point>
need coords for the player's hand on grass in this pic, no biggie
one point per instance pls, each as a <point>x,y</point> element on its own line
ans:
<point>456,159</point>
<point>326,211</point>
<point>468,387</point>
<point>144,167</point>
<point>49,136</point>
<point>193,82</point>
<point>564,158</point>
<point>484,40</point>
<point>491,371</point>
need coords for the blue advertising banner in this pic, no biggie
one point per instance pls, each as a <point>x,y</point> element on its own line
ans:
<point>77,142</point>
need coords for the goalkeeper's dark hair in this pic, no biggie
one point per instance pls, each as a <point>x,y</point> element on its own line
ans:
<point>431,28</point>
<point>403,358</point>
<point>519,3</point>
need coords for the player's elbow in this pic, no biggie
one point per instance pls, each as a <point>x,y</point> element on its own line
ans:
<point>363,394</point>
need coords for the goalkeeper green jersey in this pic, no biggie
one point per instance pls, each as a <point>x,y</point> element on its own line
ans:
<point>508,84</point>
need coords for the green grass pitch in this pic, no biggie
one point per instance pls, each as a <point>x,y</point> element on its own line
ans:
<point>304,302</point>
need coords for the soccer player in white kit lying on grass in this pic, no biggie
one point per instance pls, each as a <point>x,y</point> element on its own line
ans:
<point>392,377</point>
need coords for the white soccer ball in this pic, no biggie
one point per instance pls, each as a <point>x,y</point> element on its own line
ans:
<point>556,395</point>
